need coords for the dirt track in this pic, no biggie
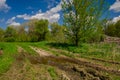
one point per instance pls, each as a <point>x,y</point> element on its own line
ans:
<point>66,68</point>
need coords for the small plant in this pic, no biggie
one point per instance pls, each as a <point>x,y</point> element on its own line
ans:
<point>52,73</point>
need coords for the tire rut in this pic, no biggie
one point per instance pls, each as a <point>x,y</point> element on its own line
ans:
<point>57,59</point>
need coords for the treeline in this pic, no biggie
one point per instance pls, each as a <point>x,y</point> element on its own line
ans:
<point>23,32</point>
<point>33,31</point>
<point>113,29</point>
<point>41,30</point>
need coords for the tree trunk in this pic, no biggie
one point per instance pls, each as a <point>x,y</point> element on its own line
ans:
<point>76,40</point>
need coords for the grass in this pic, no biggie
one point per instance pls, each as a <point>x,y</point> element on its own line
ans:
<point>6,59</point>
<point>102,51</point>
<point>26,46</point>
<point>9,53</point>
<point>52,73</point>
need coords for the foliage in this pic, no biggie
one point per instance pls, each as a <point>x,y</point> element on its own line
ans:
<point>113,29</point>
<point>82,17</point>
<point>1,34</point>
<point>57,33</point>
<point>41,28</point>
<point>22,35</point>
<point>52,72</point>
<point>33,30</point>
<point>38,30</point>
<point>6,59</point>
<point>10,34</point>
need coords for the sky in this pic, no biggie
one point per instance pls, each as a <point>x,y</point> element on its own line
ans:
<point>16,12</point>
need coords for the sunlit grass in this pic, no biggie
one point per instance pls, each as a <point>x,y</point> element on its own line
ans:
<point>6,59</point>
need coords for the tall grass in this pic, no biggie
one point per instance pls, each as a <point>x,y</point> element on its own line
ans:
<point>98,50</point>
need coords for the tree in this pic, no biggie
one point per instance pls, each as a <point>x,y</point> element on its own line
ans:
<point>81,17</point>
<point>113,29</point>
<point>117,31</point>
<point>10,34</point>
<point>21,34</point>
<point>31,30</point>
<point>1,34</point>
<point>57,33</point>
<point>37,30</point>
<point>41,29</point>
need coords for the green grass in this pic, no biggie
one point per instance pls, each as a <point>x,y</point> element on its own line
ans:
<point>9,53</point>
<point>26,47</point>
<point>52,73</point>
<point>6,59</point>
<point>97,50</point>
<point>103,51</point>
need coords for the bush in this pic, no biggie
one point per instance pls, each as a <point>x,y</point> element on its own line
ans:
<point>10,39</point>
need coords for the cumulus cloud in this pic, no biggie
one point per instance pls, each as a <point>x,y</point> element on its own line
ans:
<point>116,6</point>
<point>15,24</point>
<point>51,15</point>
<point>3,6</point>
<point>115,19</point>
<point>24,16</point>
<point>12,22</point>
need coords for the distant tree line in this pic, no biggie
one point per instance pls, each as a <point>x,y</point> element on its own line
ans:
<point>113,29</point>
<point>33,31</point>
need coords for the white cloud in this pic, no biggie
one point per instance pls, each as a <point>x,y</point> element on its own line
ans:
<point>116,6</point>
<point>115,19</point>
<point>24,16</point>
<point>3,6</point>
<point>51,15</point>
<point>15,24</point>
<point>12,22</point>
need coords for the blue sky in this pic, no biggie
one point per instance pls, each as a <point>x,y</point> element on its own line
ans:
<point>15,12</point>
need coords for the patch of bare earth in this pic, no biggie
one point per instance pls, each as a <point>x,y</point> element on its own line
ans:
<point>40,51</point>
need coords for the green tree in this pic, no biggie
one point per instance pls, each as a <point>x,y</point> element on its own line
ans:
<point>110,29</point>
<point>21,34</point>
<point>37,30</point>
<point>1,34</point>
<point>81,17</point>
<point>58,33</point>
<point>117,31</point>
<point>31,30</point>
<point>41,29</point>
<point>10,34</point>
<point>113,29</point>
